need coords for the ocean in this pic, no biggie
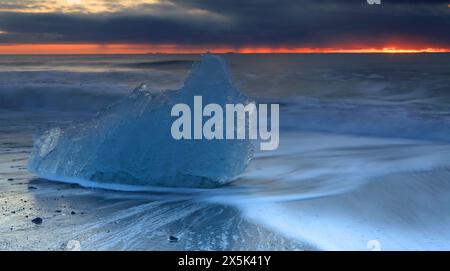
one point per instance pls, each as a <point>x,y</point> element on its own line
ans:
<point>362,162</point>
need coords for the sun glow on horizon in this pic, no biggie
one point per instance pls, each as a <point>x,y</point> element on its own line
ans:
<point>184,49</point>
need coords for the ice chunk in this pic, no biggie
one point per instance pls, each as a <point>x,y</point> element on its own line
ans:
<point>130,141</point>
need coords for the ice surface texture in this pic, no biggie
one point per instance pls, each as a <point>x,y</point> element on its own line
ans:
<point>130,141</point>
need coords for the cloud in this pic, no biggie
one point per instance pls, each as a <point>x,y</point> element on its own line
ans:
<point>236,23</point>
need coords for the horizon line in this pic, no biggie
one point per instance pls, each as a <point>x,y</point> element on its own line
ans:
<point>216,53</point>
<point>142,49</point>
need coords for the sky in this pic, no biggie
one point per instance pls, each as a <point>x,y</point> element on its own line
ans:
<point>247,26</point>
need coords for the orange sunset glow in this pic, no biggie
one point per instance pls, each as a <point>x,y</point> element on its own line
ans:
<point>172,26</point>
<point>174,49</point>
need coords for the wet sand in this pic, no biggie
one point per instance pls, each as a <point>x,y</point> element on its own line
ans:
<point>110,220</point>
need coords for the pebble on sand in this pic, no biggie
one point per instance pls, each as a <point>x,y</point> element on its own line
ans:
<point>37,220</point>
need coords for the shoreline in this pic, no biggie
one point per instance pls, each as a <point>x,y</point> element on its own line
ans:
<point>116,220</point>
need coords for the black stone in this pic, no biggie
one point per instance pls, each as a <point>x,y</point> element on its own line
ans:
<point>37,220</point>
<point>173,239</point>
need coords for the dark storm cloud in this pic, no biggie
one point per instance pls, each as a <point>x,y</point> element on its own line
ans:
<point>238,23</point>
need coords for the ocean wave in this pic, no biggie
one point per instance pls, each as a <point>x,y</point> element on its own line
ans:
<point>421,120</point>
<point>165,64</point>
<point>58,97</point>
<point>76,91</point>
<point>340,192</point>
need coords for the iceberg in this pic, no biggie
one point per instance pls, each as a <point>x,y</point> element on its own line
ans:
<point>130,142</point>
